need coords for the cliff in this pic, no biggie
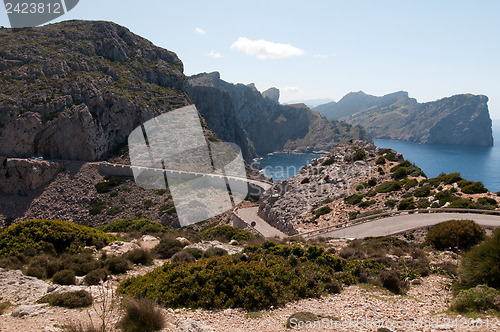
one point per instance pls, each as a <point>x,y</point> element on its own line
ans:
<point>259,124</point>
<point>457,120</point>
<point>76,89</point>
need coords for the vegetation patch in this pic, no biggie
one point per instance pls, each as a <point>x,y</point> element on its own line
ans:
<point>328,162</point>
<point>62,235</point>
<point>322,210</point>
<point>77,299</point>
<point>141,315</point>
<point>226,234</point>
<point>460,234</point>
<point>478,299</point>
<point>388,186</point>
<point>106,186</point>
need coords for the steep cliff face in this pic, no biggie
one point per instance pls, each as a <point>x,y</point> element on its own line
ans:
<point>75,90</point>
<point>258,123</point>
<point>457,120</point>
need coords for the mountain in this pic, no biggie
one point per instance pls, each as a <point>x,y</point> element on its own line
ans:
<point>457,120</point>
<point>75,90</point>
<point>255,121</point>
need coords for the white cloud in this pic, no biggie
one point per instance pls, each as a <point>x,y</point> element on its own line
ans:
<point>200,31</point>
<point>215,55</point>
<point>264,49</point>
<point>324,56</point>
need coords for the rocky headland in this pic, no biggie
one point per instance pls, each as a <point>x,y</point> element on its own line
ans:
<point>458,120</point>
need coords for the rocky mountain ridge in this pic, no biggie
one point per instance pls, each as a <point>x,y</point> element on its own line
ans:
<point>457,120</point>
<point>240,114</point>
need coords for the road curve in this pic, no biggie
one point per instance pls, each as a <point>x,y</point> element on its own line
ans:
<point>250,214</point>
<point>402,223</point>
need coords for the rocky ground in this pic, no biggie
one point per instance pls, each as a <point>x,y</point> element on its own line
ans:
<point>361,307</point>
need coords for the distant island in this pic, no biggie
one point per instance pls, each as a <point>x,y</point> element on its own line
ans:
<point>458,120</point>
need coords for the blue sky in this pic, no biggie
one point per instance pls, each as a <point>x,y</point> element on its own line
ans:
<point>324,49</point>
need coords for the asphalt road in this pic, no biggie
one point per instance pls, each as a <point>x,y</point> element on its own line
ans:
<point>402,223</point>
<point>250,214</point>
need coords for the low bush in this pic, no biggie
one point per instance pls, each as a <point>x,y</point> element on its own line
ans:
<point>106,186</point>
<point>81,263</point>
<point>460,234</point>
<point>328,162</point>
<point>354,199</point>
<point>366,204</point>
<point>305,180</point>
<point>474,188</point>
<point>380,160</point>
<point>410,183</point>
<point>388,186</point>
<point>96,206</point>
<point>195,252</point>
<point>77,299</point>
<point>64,277</point>
<point>183,257</point>
<point>399,173</point>
<point>226,234</point>
<point>423,191</point>
<point>141,315</point>
<point>168,247</point>
<point>392,281</point>
<point>322,210</point>
<point>62,235</point>
<point>407,204</point>
<point>359,155</point>
<point>117,264</point>
<point>214,252</point>
<point>478,299</point>
<point>143,226</point>
<point>481,265</point>
<point>96,276</point>
<point>390,203</point>
<point>139,256</point>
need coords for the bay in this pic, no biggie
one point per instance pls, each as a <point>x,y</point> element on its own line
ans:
<point>281,166</point>
<point>472,162</point>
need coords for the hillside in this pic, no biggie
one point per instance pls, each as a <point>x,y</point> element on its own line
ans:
<point>358,180</point>
<point>457,120</point>
<point>259,124</point>
<point>75,90</point>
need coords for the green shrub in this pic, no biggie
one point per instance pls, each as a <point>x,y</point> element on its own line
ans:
<point>366,204</point>
<point>322,210</point>
<point>104,187</point>
<point>77,299</point>
<point>400,173</point>
<point>64,236</point>
<point>478,299</point>
<point>410,183</point>
<point>183,257</point>
<point>481,265</point>
<point>81,263</point>
<point>168,247</point>
<point>360,155</point>
<point>117,264</point>
<point>143,226</point>
<point>392,281</point>
<point>407,204</point>
<point>390,203</point>
<point>214,252</point>
<point>195,252</point>
<point>449,178</point>
<point>388,186</point>
<point>372,182</point>
<point>380,160</point>
<point>305,180</point>
<point>94,277</point>
<point>64,277</point>
<point>423,203</point>
<point>354,199</point>
<point>301,319</point>
<point>474,188</point>
<point>139,256</point>
<point>228,281</point>
<point>461,234</point>
<point>225,234</point>
<point>328,162</point>
<point>141,315</point>
<point>462,203</point>
<point>391,156</point>
<point>422,191</point>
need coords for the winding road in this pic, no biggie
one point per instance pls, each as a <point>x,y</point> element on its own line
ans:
<point>250,214</point>
<point>398,224</point>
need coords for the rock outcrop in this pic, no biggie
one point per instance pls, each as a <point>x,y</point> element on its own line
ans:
<point>240,114</point>
<point>75,90</point>
<point>457,120</point>
<point>21,176</point>
<point>273,94</point>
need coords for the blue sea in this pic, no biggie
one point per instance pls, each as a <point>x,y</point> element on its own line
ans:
<point>474,163</point>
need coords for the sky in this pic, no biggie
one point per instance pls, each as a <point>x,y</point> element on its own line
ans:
<point>324,49</point>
